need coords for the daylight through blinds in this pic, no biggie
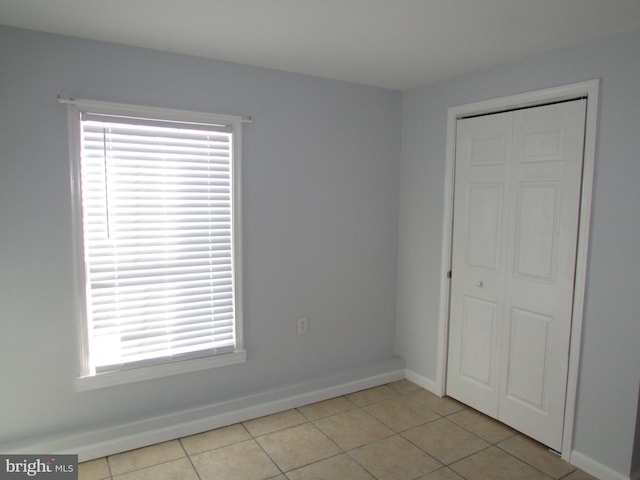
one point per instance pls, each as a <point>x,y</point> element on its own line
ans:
<point>158,240</point>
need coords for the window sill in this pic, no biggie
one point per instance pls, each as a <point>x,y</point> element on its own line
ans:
<point>111,379</point>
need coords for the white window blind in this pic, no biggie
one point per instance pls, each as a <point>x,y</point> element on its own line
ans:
<point>158,236</point>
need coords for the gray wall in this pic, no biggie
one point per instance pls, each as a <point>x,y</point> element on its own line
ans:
<point>608,382</point>
<point>320,204</point>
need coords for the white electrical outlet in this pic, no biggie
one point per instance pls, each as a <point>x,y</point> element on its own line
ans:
<point>303,326</point>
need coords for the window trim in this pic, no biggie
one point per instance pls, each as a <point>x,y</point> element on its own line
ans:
<point>86,380</point>
<point>133,375</point>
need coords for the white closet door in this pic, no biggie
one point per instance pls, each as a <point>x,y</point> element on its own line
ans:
<point>516,212</point>
<point>479,260</point>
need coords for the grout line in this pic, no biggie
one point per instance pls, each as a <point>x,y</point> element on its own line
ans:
<point>353,406</point>
<point>270,458</point>
<point>148,466</point>
<point>361,465</point>
<point>447,467</point>
<point>470,455</point>
<point>190,459</point>
<point>279,429</point>
<point>569,474</point>
<point>282,472</point>
<point>478,435</point>
<point>242,425</point>
<point>533,466</point>
<point>234,442</point>
<point>109,467</point>
<point>163,462</point>
<point>342,452</point>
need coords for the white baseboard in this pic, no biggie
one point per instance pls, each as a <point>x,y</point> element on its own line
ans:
<point>597,469</point>
<point>424,382</point>
<point>99,441</point>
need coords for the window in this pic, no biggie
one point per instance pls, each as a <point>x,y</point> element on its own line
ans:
<point>157,211</point>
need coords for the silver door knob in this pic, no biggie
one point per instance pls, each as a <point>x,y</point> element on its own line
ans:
<point>479,284</point>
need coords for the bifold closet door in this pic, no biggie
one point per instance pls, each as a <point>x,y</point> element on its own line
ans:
<point>515,224</point>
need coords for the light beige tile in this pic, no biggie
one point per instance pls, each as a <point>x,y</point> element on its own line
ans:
<point>494,464</point>
<point>297,446</point>
<point>485,427</point>
<point>97,469</point>
<point>394,458</point>
<point>353,428</point>
<point>371,395</point>
<point>442,474</point>
<point>180,469</point>
<point>326,408</point>
<point>579,475</point>
<point>220,437</point>
<point>536,455</point>
<point>275,422</point>
<point>445,441</point>
<point>440,405</point>
<point>340,467</point>
<point>404,386</point>
<point>240,461</point>
<point>145,457</point>
<point>401,413</point>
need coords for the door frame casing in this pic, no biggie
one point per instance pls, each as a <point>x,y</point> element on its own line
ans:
<point>590,90</point>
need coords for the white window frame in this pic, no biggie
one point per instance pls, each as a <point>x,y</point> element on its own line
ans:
<point>87,379</point>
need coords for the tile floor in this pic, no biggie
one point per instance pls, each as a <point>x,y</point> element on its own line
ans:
<point>397,431</point>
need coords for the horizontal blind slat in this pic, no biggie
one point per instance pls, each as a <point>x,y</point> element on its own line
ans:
<point>157,218</point>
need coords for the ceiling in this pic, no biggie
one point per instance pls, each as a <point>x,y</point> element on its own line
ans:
<point>395,44</point>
